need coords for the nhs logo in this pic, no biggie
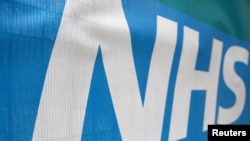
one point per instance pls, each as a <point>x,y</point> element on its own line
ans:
<point>124,70</point>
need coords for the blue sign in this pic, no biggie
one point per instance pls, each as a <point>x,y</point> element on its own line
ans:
<point>120,70</point>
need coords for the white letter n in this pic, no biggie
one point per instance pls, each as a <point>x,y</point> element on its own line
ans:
<point>65,93</point>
